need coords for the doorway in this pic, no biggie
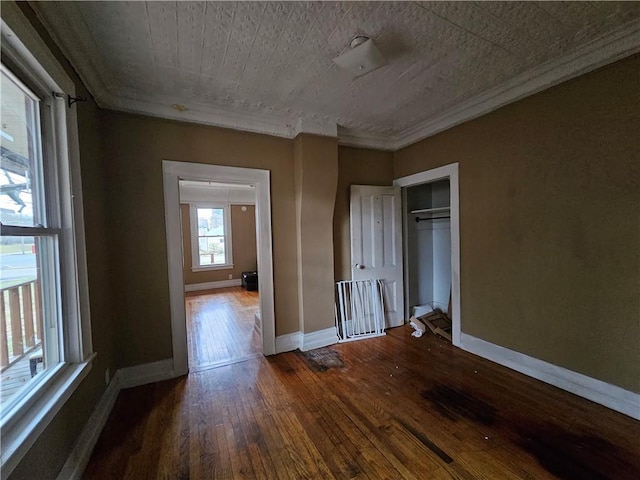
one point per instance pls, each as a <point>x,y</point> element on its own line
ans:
<point>173,172</point>
<point>425,194</point>
<point>220,272</point>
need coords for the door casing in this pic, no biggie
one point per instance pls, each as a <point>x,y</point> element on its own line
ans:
<point>449,172</point>
<point>173,172</point>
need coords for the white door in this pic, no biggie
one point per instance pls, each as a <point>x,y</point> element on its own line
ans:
<point>376,243</point>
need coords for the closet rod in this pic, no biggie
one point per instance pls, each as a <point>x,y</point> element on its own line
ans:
<point>418,219</point>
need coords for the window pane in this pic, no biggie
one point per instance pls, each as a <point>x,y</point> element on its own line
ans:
<point>210,221</point>
<point>212,251</point>
<point>206,257</point>
<point>28,284</point>
<point>21,192</point>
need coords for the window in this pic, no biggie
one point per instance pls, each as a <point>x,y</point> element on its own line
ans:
<point>210,237</point>
<point>29,246</point>
<point>45,346</point>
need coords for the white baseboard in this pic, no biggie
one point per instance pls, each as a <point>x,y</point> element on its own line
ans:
<point>124,378</point>
<point>597,391</point>
<point>306,341</point>
<point>195,287</point>
<point>318,339</point>
<point>146,373</point>
<point>81,452</point>
<point>288,342</point>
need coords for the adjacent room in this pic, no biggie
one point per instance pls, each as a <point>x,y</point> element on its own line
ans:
<point>220,272</point>
<point>319,240</point>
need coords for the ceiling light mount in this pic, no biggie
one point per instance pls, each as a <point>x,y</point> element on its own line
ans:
<point>358,40</point>
<point>363,57</point>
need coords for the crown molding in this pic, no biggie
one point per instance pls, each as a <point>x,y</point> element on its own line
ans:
<point>269,124</point>
<point>600,52</point>
<point>82,53</point>
<point>26,49</point>
<point>255,122</point>
<point>322,128</point>
<point>359,139</point>
<point>79,49</point>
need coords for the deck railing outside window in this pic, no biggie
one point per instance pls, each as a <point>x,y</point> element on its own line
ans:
<point>20,322</point>
<point>21,337</point>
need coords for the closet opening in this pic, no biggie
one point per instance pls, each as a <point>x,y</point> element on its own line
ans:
<point>428,254</point>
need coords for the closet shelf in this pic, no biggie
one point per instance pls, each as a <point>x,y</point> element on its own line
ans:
<point>430,210</point>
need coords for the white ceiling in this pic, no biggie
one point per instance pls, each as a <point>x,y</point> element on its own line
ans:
<point>266,66</point>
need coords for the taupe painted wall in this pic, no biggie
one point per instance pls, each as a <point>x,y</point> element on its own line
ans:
<point>136,146</point>
<point>47,456</point>
<point>356,166</point>
<point>316,178</point>
<point>550,222</point>
<point>243,238</point>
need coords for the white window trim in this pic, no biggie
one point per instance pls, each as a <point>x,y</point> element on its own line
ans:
<point>228,241</point>
<point>26,420</point>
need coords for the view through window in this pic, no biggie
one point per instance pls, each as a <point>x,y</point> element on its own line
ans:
<point>29,270</point>
<point>212,236</point>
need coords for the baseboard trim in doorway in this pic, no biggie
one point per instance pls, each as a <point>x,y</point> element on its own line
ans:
<point>288,342</point>
<point>258,323</point>
<point>306,341</point>
<point>319,339</point>
<point>196,287</point>
<point>597,391</point>
<point>223,363</point>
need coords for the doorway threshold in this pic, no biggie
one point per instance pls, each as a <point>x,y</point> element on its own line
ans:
<point>223,363</point>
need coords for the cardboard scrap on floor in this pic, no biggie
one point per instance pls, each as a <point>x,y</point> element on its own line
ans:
<point>437,322</point>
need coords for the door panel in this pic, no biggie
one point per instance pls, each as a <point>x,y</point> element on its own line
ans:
<point>376,243</point>
<point>391,297</point>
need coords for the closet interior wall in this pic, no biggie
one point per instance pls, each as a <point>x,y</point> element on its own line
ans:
<point>428,246</point>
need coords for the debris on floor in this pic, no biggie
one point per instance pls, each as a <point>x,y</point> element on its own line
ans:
<point>418,327</point>
<point>438,323</point>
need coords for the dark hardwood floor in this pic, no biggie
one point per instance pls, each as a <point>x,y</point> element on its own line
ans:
<point>220,327</point>
<point>389,407</point>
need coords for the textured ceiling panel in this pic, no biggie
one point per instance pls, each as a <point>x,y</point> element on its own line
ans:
<point>273,59</point>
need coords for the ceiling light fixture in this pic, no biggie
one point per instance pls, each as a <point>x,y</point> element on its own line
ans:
<point>363,57</point>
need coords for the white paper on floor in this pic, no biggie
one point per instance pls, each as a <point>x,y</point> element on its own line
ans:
<point>418,326</point>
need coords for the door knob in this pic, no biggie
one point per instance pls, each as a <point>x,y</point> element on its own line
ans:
<point>359,266</point>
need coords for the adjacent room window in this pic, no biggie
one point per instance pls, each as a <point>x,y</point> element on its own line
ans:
<point>211,237</point>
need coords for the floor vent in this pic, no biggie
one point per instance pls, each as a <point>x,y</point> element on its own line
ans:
<point>359,309</point>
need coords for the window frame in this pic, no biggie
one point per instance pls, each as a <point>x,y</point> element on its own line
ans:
<point>228,240</point>
<point>33,64</point>
<point>46,225</point>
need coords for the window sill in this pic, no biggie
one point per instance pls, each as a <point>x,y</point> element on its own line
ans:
<point>39,410</point>
<point>226,266</point>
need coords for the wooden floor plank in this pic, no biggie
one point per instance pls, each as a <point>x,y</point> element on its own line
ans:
<point>314,408</point>
<point>392,407</point>
<point>220,327</point>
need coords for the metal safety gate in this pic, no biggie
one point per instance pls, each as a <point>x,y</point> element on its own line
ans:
<point>359,309</point>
